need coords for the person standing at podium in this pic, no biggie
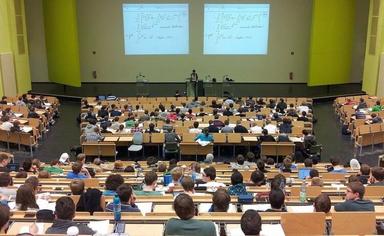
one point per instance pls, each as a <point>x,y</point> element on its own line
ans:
<point>194,81</point>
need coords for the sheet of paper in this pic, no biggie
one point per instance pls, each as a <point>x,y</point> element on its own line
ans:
<point>144,207</point>
<point>300,209</point>
<point>266,230</point>
<point>101,227</point>
<point>256,207</point>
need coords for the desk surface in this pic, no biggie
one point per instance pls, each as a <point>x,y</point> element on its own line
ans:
<point>131,229</point>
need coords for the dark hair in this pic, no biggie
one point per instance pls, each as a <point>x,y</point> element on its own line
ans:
<point>33,181</point>
<point>65,208</point>
<point>240,159</point>
<point>44,174</point>
<point>264,132</point>
<point>357,187</point>
<point>378,173</point>
<point>353,178</point>
<point>5,179</point>
<point>21,174</point>
<point>184,206</point>
<point>365,169</point>
<point>210,172</point>
<point>196,124</point>
<point>308,162</point>
<point>27,164</point>
<point>129,169</point>
<point>76,167</point>
<point>250,156</point>
<point>125,192</point>
<point>221,200</point>
<point>276,198</point>
<point>278,182</point>
<point>258,177</point>
<point>3,157</point>
<point>260,165</point>
<point>187,183</point>
<point>150,177</point>
<point>4,215</point>
<point>25,197</point>
<point>251,222</point>
<point>313,173</point>
<point>161,167</point>
<point>77,186</point>
<point>335,161</point>
<point>236,178</point>
<point>151,161</point>
<point>113,181</point>
<point>322,203</point>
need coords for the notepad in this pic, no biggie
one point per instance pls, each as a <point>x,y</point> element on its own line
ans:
<point>256,207</point>
<point>101,227</point>
<point>144,207</point>
<point>266,230</point>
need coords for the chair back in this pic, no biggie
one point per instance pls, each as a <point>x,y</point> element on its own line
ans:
<point>137,138</point>
<point>292,223</point>
<point>356,223</point>
<point>171,147</point>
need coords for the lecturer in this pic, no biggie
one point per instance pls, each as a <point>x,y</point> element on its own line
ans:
<point>194,81</point>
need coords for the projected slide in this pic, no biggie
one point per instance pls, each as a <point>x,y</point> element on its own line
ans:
<point>236,28</point>
<point>151,29</point>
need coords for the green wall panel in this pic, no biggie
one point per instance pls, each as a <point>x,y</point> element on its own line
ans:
<point>60,23</point>
<point>331,44</point>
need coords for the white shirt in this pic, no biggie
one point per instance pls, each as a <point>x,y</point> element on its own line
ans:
<point>256,129</point>
<point>272,129</point>
<point>195,131</point>
<point>303,108</point>
<point>6,126</point>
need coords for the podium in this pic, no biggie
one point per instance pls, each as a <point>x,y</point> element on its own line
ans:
<point>194,88</point>
<point>142,89</point>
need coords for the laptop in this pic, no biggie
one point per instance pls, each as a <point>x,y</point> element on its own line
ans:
<point>303,173</point>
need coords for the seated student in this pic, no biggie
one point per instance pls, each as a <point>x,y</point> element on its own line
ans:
<point>127,198</point>
<point>255,129</point>
<point>6,183</point>
<point>4,218</point>
<point>94,136</point>
<point>316,181</point>
<point>195,129</point>
<point>4,161</point>
<point>354,199</point>
<point>220,201</point>
<point>251,223</point>
<point>286,126</point>
<point>177,175</point>
<point>240,164</point>
<point>261,166</point>
<point>287,165</point>
<point>149,185</point>
<point>78,172</point>
<point>209,176</point>
<point>276,199</point>
<point>188,185</point>
<point>278,182</point>
<point>322,203</point>
<point>237,187</point>
<point>53,168</point>
<point>212,128</point>
<point>313,173</point>
<point>257,178</point>
<point>204,136</point>
<point>239,128</point>
<point>226,128</point>
<point>64,214</point>
<point>6,124</point>
<point>336,167</point>
<point>111,183</point>
<point>26,198</point>
<point>303,117</point>
<point>91,201</point>
<point>377,176</point>
<point>77,186</point>
<point>33,114</point>
<point>186,225</point>
<point>375,119</point>
<point>364,173</point>
<point>362,104</point>
<point>265,137</point>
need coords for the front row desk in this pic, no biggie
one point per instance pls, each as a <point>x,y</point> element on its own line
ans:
<point>274,223</point>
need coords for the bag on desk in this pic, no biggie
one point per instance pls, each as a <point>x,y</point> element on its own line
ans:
<point>246,198</point>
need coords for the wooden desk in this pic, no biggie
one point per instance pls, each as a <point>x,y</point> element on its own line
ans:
<point>111,139</point>
<point>195,149</point>
<point>131,229</point>
<point>125,139</point>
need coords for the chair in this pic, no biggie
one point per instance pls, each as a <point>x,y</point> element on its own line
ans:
<point>315,151</point>
<point>292,223</point>
<point>137,142</point>
<point>28,140</point>
<point>356,223</point>
<point>171,148</point>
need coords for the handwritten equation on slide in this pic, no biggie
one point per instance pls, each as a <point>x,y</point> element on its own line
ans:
<point>156,28</point>
<point>236,28</point>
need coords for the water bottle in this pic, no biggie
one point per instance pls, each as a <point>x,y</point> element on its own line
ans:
<point>117,208</point>
<point>303,192</point>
